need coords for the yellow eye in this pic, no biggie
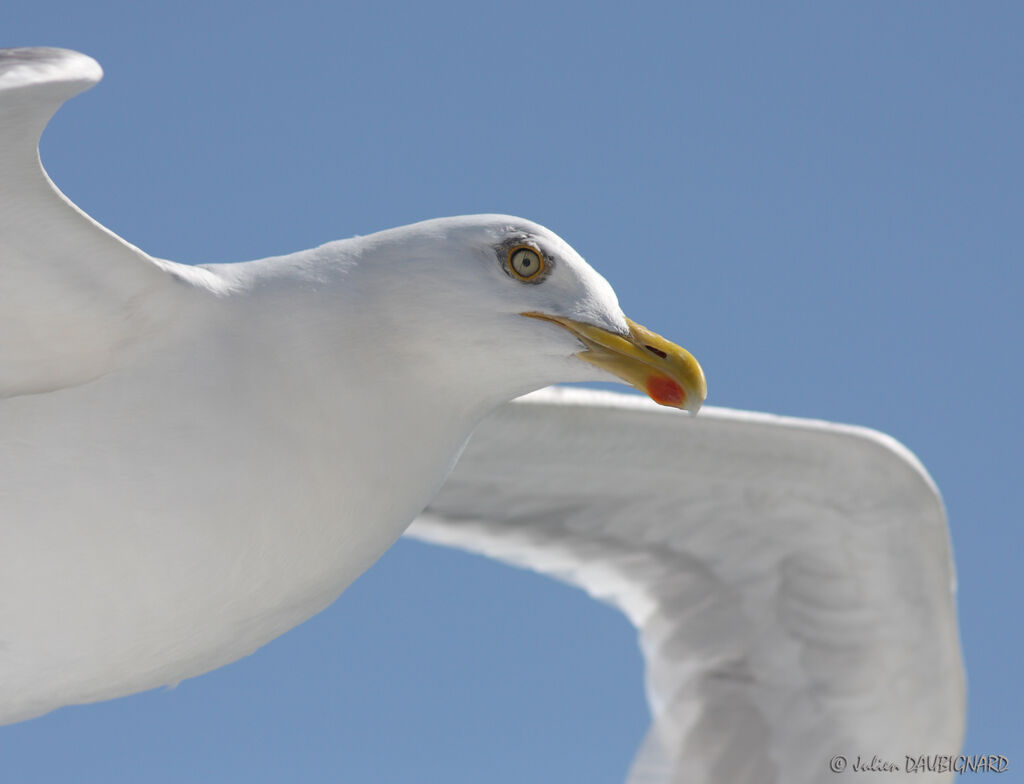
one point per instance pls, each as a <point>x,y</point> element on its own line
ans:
<point>525,262</point>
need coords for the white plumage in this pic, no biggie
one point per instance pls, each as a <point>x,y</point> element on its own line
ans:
<point>790,580</point>
<point>195,459</point>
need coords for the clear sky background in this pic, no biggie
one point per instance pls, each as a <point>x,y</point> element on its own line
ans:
<point>823,201</point>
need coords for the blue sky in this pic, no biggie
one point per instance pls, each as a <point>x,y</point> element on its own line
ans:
<point>822,201</point>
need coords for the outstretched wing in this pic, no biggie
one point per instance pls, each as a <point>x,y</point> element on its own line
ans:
<point>791,580</point>
<point>73,296</point>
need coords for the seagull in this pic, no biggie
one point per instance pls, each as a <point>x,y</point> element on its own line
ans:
<point>195,459</point>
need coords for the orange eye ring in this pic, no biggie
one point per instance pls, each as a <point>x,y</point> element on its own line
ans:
<point>525,263</point>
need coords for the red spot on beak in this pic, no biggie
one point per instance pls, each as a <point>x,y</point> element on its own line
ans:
<point>665,391</point>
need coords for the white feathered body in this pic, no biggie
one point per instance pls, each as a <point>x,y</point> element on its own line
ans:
<point>186,508</point>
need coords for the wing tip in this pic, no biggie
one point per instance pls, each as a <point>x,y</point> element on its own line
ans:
<point>36,66</point>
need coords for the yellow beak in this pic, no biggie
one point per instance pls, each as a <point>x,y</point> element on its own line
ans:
<point>644,359</point>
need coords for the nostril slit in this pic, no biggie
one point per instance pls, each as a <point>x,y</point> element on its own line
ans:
<point>657,351</point>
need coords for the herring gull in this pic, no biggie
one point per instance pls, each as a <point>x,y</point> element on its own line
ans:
<point>196,459</point>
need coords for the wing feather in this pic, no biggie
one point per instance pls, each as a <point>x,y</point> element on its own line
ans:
<point>73,295</point>
<point>791,581</point>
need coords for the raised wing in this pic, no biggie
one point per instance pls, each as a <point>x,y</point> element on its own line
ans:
<point>74,297</point>
<point>791,580</point>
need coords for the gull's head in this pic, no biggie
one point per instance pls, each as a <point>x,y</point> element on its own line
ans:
<point>506,301</point>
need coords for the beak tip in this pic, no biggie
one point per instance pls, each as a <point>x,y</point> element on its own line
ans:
<point>676,392</point>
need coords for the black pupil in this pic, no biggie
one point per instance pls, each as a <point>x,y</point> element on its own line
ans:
<point>525,260</point>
